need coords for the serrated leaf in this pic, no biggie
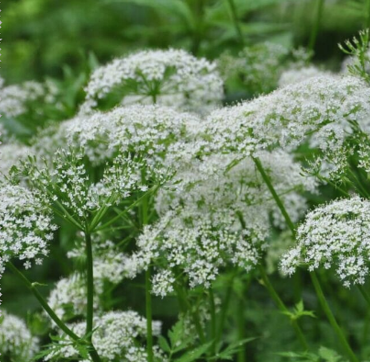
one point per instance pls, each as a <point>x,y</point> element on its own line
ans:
<point>164,344</point>
<point>194,354</point>
<point>233,348</point>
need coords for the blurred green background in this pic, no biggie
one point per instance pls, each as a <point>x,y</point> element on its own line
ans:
<point>43,37</point>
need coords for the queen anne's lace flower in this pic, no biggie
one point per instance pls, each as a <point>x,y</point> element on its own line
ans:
<point>171,77</point>
<point>16,341</point>
<point>69,183</point>
<point>12,154</point>
<point>324,107</point>
<point>216,211</point>
<point>16,99</point>
<point>115,335</point>
<point>298,75</point>
<point>334,235</point>
<point>25,225</point>
<point>148,132</point>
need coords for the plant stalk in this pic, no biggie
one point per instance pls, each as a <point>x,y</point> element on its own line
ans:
<point>274,194</point>
<point>316,25</point>
<point>90,286</point>
<point>283,308</point>
<point>237,26</point>
<point>325,306</point>
<point>32,287</point>
<point>149,325</point>
<point>213,322</point>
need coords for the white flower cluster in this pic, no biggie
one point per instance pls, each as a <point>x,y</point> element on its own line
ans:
<point>143,130</point>
<point>17,99</point>
<point>168,77</point>
<point>3,133</point>
<point>216,212</point>
<point>12,154</point>
<point>320,110</point>
<point>116,334</point>
<point>70,184</point>
<point>298,75</point>
<point>16,341</point>
<point>336,234</point>
<point>26,227</point>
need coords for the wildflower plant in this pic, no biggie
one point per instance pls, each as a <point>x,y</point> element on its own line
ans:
<point>160,203</point>
<point>172,77</point>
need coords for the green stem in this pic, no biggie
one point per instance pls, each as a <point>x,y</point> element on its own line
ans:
<point>148,287</point>
<point>198,30</point>
<point>274,194</point>
<point>213,321</point>
<point>90,286</point>
<point>368,14</point>
<point>224,309</point>
<point>325,306</point>
<point>280,304</point>
<point>364,294</point>
<point>140,199</point>
<point>241,330</point>
<point>316,25</point>
<point>185,305</point>
<point>32,287</point>
<point>234,16</point>
<point>149,326</point>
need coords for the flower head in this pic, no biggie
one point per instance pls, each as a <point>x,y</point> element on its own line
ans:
<point>16,341</point>
<point>169,77</point>
<point>334,235</point>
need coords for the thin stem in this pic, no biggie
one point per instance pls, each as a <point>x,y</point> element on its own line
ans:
<point>316,25</point>
<point>234,16</point>
<point>32,287</point>
<point>241,330</point>
<point>274,194</point>
<point>114,219</point>
<point>148,287</point>
<point>368,14</point>
<point>213,321</point>
<point>43,302</point>
<point>90,285</point>
<point>185,305</point>
<point>364,293</point>
<point>280,304</point>
<point>325,306</point>
<point>148,299</point>
<point>198,23</point>
<point>224,309</point>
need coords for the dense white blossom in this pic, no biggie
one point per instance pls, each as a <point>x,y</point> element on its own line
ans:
<point>16,341</point>
<point>320,110</point>
<point>334,235</point>
<point>144,131</point>
<point>217,211</point>
<point>69,183</point>
<point>11,154</point>
<point>169,77</point>
<point>16,100</point>
<point>26,227</point>
<point>115,336</point>
<point>297,75</point>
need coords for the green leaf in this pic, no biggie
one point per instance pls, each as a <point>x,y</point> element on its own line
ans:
<point>233,348</point>
<point>194,354</point>
<point>164,344</point>
<point>329,355</point>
